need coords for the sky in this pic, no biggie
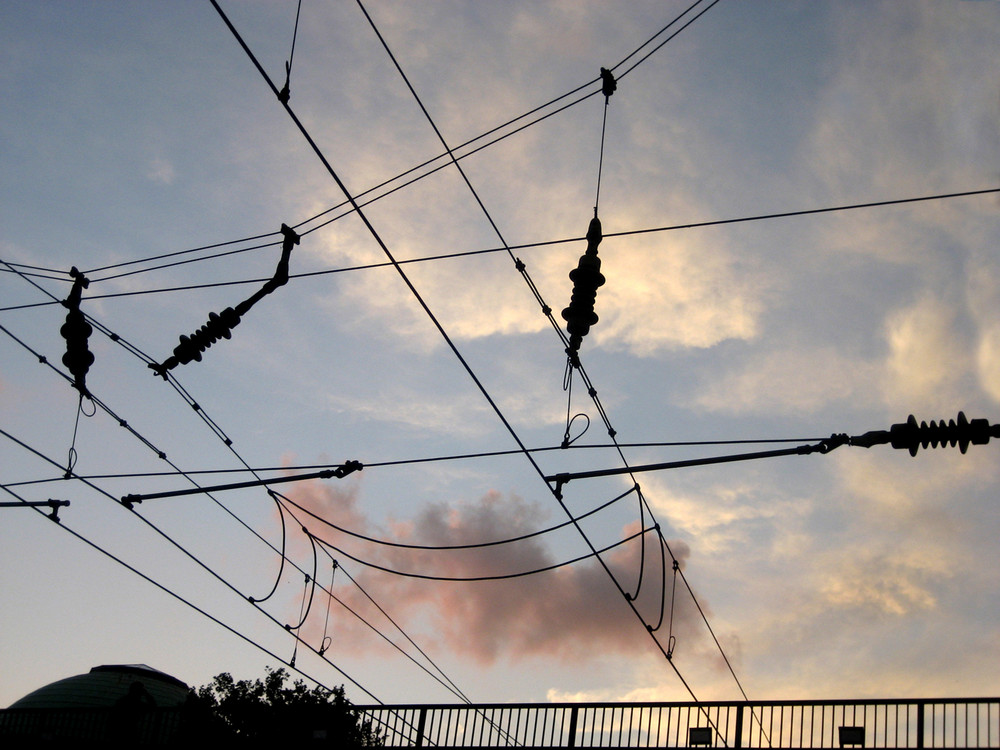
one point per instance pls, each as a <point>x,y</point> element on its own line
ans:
<point>133,132</point>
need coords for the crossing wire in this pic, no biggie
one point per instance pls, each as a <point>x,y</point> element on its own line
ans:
<point>431,316</point>
<point>114,558</point>
<point>161,455</point>
<point>547,311</point>
<point>187,553</point>
<point>426,163</point>
<point>177,471</point>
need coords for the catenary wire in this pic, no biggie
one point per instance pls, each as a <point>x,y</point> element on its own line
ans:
<point>426,163</point>
<point>162,455</point>
<point>482,578</point>
<point>536,244</point>
<point>167,590</point>
<point>451,547</point>
<point>375,235</point>
<point>558,329</point>
<point>44,360</point>
<point>592,391</point>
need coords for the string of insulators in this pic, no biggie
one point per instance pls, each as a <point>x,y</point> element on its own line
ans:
<point>76,330</point>
<point>586,278</point>
<point>220,325</point>
<point>912,436</point>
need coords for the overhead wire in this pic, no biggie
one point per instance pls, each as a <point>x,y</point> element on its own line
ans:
<point>441,677</point>
<point>369,227</point>
<point>162,455</point>
<point>434,320</point>
<point>406,635</point>
<point>170,592</point>
<point>454,547</point>
<point>429,459</point>
<point>413,290</point>
<point>177,546</point>
<point>520,266</point>
<point>446,156</point>
<point>386,249</point>
<point>607,235</point>
<point>490,577</point>
<point>521,246</point>
<point>660,45</point>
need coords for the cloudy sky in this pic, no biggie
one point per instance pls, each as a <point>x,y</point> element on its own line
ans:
<point>138,137</point>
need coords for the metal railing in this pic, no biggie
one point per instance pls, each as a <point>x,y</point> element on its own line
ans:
<point>906,723</point>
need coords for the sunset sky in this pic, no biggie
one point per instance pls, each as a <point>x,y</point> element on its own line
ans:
<point>133,132</point>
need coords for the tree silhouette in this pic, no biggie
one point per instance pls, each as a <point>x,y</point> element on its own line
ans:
<point>268,710</point>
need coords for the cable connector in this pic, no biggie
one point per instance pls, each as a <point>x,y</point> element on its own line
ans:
<point>911,436</point>
<point>348,467</point>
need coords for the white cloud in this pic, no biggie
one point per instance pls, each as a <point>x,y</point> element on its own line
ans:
<point>788,381</point>
<point>161,170</point>
<point>988,361</point>
<point>927,359</point>
<point>674,293</point>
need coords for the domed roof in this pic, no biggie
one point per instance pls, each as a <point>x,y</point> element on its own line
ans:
<point>104,686</point>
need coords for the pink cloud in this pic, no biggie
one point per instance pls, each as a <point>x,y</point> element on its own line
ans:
<point>572,613</point>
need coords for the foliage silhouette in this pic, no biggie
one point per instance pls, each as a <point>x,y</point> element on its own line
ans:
<point>268,711</point>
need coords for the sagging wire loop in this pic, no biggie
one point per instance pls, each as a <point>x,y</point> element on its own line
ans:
<point>281,514</point>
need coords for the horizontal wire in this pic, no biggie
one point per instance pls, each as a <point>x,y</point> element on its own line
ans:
<point>430,459</point>
<point>184,262</point>
<point>540,244</point>
<point>35,275</point>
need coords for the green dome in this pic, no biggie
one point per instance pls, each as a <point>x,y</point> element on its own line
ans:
<point>104,686</point>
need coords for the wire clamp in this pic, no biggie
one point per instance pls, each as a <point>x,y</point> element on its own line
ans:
<point>348,467</point>
<point>608,83</point>
<point>129,501</point>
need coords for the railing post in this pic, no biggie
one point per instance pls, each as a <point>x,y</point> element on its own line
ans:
<point>572,727</point>
<point>738,740</point>
<point>920,725</point>
<point>421,722</point>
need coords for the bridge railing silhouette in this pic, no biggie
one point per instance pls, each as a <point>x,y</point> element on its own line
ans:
<point>879,723</point>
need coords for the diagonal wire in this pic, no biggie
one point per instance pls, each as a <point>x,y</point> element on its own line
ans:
<point>162,455</point>
<point>176,545</point>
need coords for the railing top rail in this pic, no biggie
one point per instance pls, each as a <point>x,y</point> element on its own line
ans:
<point>675,704</point>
